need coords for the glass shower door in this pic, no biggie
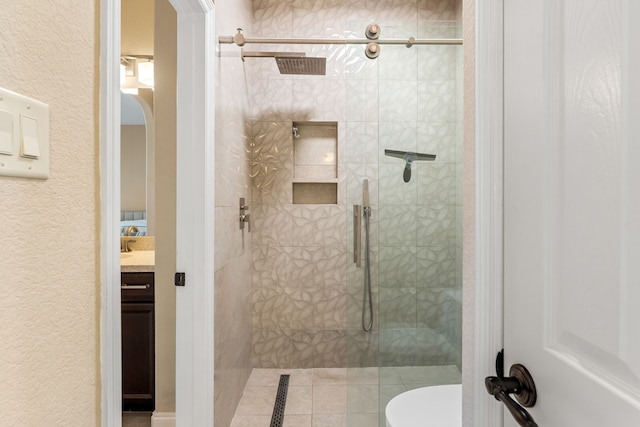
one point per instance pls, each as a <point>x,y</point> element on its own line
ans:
<point>416,233</point>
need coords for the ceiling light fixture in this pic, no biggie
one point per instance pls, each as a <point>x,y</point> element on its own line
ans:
<point>136,71</point>
<point>145,72</point>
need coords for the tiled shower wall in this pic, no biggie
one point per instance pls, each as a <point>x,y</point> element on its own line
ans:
<point>306,291</point>
<point>232,246</point>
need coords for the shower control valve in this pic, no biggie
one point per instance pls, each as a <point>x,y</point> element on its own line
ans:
<point>244,216</point>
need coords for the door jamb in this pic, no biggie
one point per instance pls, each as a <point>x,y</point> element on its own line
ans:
<point>110,345</point>
<point>488,292</point>
<point>195,184</point>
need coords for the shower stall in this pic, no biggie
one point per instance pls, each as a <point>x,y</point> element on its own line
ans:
<point>389,116</point>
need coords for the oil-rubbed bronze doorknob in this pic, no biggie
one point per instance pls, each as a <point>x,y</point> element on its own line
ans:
<point>519,383</point>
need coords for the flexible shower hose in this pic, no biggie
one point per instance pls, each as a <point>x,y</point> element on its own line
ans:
<point>367,275</point>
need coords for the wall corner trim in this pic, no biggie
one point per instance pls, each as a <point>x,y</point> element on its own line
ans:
<point>163,419</point>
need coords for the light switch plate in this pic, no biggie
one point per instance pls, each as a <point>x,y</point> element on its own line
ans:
<point>18,110</point>
<point>6,132</point>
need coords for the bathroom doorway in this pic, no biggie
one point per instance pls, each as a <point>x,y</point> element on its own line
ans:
<point>193,20</point>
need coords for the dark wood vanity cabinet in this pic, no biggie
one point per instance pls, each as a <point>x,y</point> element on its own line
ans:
<point>138,343</point>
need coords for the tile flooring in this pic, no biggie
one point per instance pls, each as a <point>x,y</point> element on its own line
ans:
<point>136,419</point>
<point>334,397</point>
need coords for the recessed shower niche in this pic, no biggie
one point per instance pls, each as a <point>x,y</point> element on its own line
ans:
<point>315,162</point>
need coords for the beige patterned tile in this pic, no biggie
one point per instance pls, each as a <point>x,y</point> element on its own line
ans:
<point>362,398</point>
<point>364,420</point>
<point>392,188</point>
<point>436,267</point>
<point>272,18</point>
<point>330,420</point>
<point>323,348</point>
<point>271,349</point>
<point>397,225</point>
<point>438,100</point>
<point>436,226</point>
<point>397,308</point>
<point>329,399</point>
<point>358,108</point>
<point>299,400</point>
<point>271,377</point>
<point>359,376</point>
<point>436,9</point>
<point>300,377</point>
<point>318,226</point>
<point>397,267</point>
<point>257,401</point>
<point>388,392</point>
<point>297,420</point>
<point>396,61</point>
<point>438,138</point>
<point>319,99</point>
<point>330,376</point>
<point>272,100</point>
<point>271,266</point>
<point>271,226</point>
<point>399,100</point>
<point>362,347</point>
<point>251,420</point>
<point>436,183</point>
<point>429,375</point>
<point>330,309</point>
<point>264,377</point>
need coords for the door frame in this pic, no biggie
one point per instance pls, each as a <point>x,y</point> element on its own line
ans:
<point>194,211</point>
<point>110,337</point>
<point>488,290</point>
<point>195,184</point>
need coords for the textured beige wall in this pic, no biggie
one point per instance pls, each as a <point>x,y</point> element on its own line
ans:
<point>137,27</point>
<point>469,268</point>
<point>133,171</point>
<point>165,206</point>
<point>49,308</point>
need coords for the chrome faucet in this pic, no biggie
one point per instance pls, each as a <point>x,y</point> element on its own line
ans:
<point>129,229</point>
<point>124,243</point>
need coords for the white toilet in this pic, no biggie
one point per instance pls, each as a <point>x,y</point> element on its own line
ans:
<point>436,406</point>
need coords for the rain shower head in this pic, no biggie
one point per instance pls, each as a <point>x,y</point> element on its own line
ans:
<point>302,65</point>
<point>409,158</point>
<point>293,62</point>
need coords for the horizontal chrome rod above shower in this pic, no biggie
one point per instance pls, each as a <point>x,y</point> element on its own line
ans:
<point>407,42</point>
<point>241,41</point>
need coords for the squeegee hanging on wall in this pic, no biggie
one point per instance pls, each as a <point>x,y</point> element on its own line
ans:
<point>409,157</point>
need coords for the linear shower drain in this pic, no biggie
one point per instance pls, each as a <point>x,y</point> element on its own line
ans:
<point>281,400</point>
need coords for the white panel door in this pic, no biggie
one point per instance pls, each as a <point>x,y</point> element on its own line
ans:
<point>572,207</point>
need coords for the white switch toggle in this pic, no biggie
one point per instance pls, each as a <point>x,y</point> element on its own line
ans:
<point>24,136</point>
<point>6,132</point>
<point>30,147</point>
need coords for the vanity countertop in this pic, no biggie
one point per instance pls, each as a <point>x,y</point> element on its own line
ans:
<point>137,261</point>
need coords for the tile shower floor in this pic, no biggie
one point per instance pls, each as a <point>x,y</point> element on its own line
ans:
<point>333,397</point>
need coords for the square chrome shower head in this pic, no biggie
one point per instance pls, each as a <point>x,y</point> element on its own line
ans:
<point>302,65</point>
